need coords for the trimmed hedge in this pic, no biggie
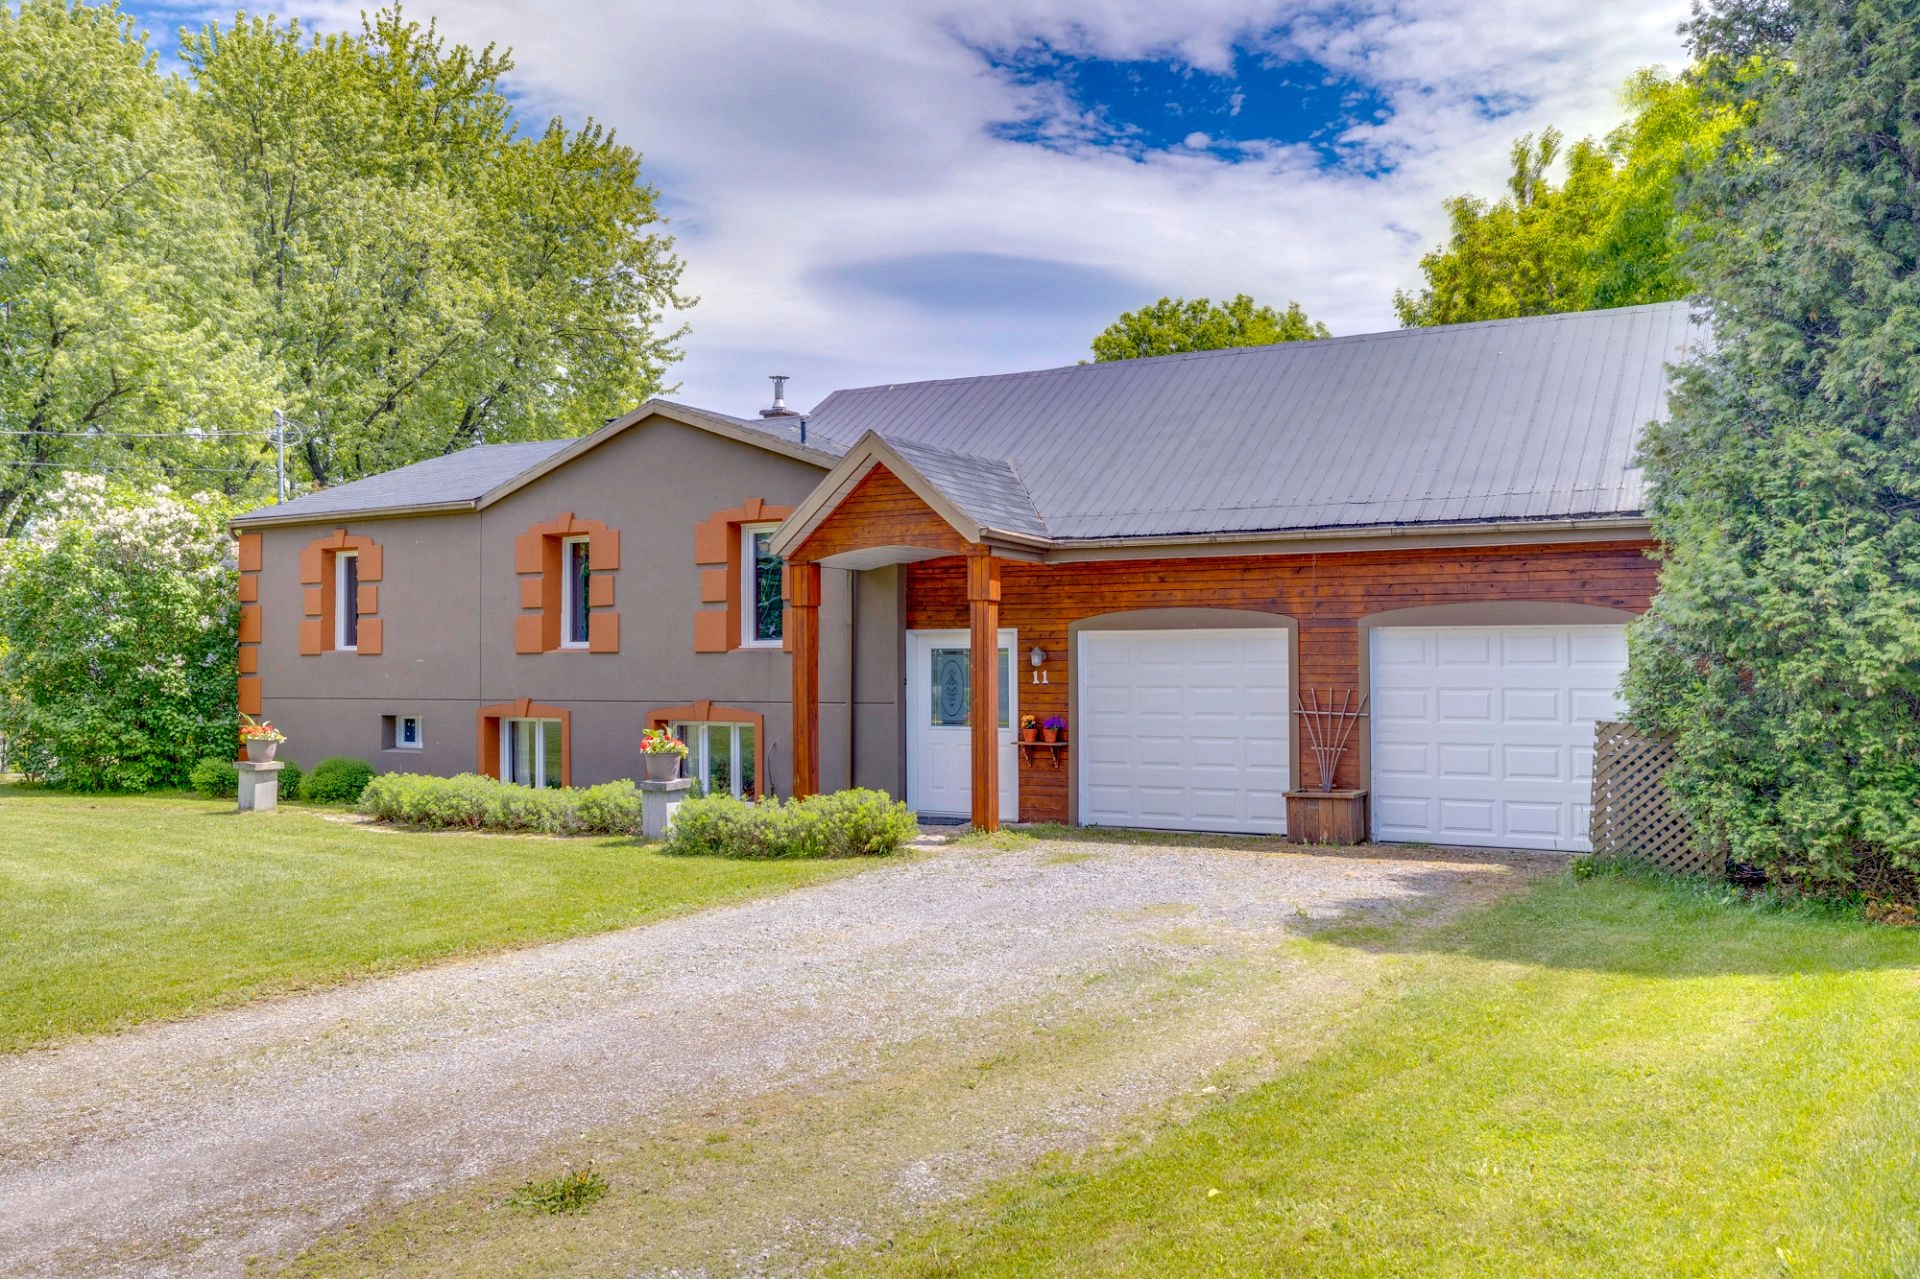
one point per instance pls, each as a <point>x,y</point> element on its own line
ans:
<point>852,823</point>
<point>473,802</point>
<point>848,823</point>
<point>215,778</point>
<point>336,780</point>
<point>290,779</point>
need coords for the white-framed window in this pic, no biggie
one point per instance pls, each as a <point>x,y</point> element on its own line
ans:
<point>720,757</point>
<point>346,600</point>
<point>760,604</point>
<point>530,752</point>
<point>407,735</point>
<point>576,567</point>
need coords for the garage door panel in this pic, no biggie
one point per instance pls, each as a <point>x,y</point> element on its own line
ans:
<point>1529,648</point>
<point>1463,705</point>
<point>1457,760</point>
<point>1197,729</point>
<point>1466,817</point>
<point>1531,706</point>
<point>1506,756</point>
<point>1463,650</point>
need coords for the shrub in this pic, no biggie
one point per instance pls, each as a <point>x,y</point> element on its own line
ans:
<point>215,778</point>
<point>337,780</point>
<point>851,823</point>
<point>610,809</point>
<point>290,779</point>
<point>864,823</point>
<point>473,802</point>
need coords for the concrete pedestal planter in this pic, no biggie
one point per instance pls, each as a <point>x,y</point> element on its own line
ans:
<point>662,767</point>
<point>1326,817</point>
<point>259,752</point>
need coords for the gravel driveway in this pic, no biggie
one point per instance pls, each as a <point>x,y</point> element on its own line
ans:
<point>188,1148</point>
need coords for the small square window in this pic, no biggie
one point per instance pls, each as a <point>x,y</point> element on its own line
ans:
<point>402,733</point>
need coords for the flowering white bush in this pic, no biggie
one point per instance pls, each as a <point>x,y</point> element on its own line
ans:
<point>118,637</point>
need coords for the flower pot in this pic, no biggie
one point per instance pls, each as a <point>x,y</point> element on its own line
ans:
<point>1029,734</point>
<point>1049,734</point>
<point>259,752</point>
<point>663,766</point>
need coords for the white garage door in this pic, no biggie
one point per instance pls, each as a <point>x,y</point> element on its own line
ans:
<point>1484,735</point>
<point>1183,730</point>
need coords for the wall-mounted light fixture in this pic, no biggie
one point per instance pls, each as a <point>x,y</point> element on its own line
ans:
<point>1039,659</point>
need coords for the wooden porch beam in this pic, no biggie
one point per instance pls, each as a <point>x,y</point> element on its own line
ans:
<point>803,626</point>
<point>983,609</point>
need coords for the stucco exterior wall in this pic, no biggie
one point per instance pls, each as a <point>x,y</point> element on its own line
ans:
<point>450,595</point>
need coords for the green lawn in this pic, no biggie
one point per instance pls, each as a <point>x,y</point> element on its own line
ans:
<point>119,910</point>
<point>1612,1077</point>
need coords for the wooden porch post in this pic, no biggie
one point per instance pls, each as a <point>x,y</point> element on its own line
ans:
<point>983,609</point>
<point>803,625</point>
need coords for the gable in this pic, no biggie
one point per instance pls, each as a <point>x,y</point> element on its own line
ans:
<point>879,511</point>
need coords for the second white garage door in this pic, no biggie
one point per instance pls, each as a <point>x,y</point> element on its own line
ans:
<point>1484,735</point>
<point>1183,730</point>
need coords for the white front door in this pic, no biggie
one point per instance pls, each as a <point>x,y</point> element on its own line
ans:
<point>1184,730</point>
<point>939,725</point>
<point>1483,735</point>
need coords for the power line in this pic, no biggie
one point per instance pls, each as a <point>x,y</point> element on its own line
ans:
<point>151,467</point>
<point>141,435</point>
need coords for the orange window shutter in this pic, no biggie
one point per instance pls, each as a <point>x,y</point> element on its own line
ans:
<point>710,631</point>
<point>527,631</point>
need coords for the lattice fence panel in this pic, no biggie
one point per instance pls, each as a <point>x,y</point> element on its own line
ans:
<point>1632,816</point>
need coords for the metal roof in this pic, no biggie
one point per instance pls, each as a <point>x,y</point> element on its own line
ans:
<point>1504,420</point>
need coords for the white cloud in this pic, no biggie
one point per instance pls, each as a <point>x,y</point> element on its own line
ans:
<point>805,148</point>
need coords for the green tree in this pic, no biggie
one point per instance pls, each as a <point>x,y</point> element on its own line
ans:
<point>126,318</point>
<point>1783,651</point>
<point>1611,234</point>
<point>431,278</point>
<point>118,645</point>
<point>1173,325</point>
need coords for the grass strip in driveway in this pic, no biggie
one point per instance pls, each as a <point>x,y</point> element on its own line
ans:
<point>1612,1077</point>
<point>117,910</point>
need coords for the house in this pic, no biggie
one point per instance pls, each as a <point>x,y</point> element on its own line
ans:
<point>1168,553</point>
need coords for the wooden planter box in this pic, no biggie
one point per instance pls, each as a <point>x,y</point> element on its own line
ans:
<point>1326,817</point>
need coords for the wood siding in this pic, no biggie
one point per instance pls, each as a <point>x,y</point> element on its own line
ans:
<point>880,511</point>
<point>1328,595</point>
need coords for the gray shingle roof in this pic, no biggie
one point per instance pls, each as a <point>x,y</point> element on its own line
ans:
<point>474,472</point>
<point>986,488</point>
<point>466,476</point>
<point>1504,420</point>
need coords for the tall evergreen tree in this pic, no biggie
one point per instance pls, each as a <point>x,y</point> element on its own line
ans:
<point>1783,651</point>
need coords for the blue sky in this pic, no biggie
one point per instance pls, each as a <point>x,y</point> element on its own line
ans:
<point>882,190</point>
